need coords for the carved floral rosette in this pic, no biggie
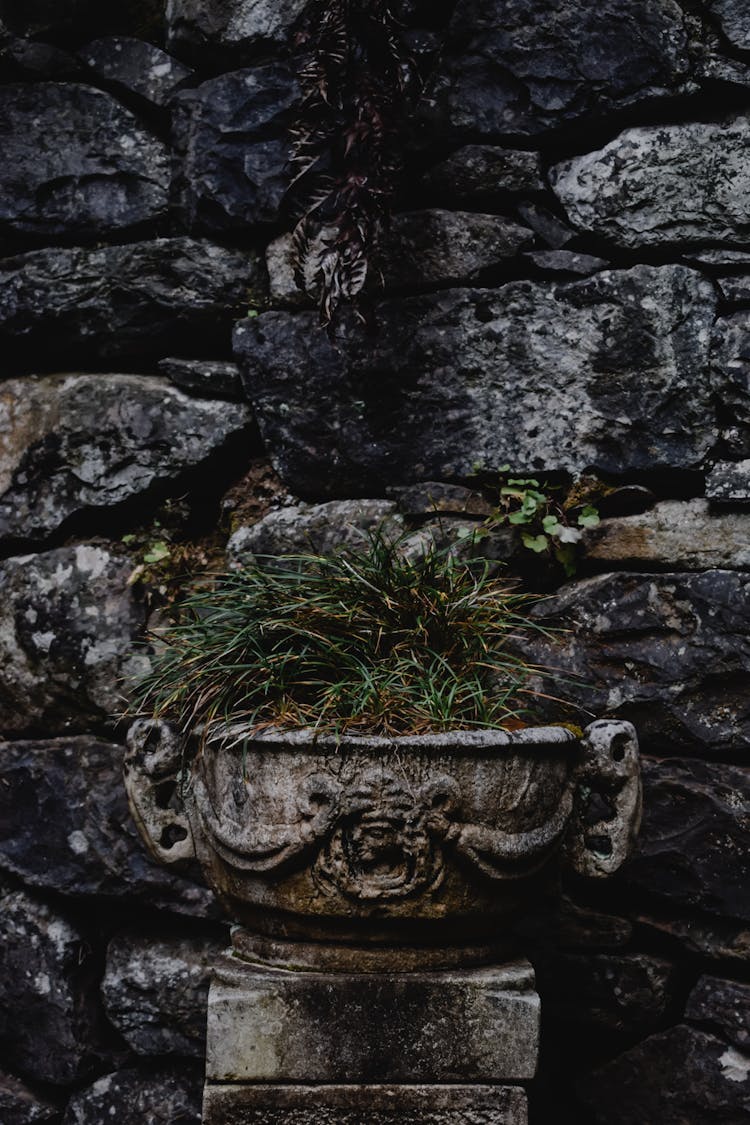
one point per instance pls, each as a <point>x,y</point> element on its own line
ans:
<point>302,833</point>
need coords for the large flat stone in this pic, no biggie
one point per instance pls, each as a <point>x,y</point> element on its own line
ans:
<point>55,465</point>
<point>271,1025</point>
<point>319,529</point>
<point>68,623</point>
<point>520,67</point>
<point>170,296</point>
<point>352,1105</point>
<point>608,372</point>
<point>237,24</point>
<point>679,534</point>
<point>76,162</point>
<point>136,67</point>
<point>65,828</point>
<point>485,172</point>
<point>662,185</point>
<point>232,135</point>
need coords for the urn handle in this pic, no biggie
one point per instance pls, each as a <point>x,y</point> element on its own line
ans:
<point>152,767</point>
<point>608,799</point>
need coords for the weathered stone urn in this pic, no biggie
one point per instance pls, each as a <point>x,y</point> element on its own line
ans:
<point>377,883</point>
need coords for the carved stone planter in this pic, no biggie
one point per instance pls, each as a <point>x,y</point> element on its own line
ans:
<point>409,858</point>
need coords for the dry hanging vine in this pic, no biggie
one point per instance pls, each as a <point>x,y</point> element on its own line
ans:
<point>358,84</point>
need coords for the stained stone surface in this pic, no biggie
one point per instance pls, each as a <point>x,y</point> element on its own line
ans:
<point>685,534</point>
<point>135,66</point>
<point>231,133</point>
<point>65,827</point>
<point>169,1095</point>
<point>165,296</point>
<point>351,1105</point>
<point>21,1106</point>
<point>53,465</point>
<point>422,248</point>
<point>724,1005</point>
<point>68,622</point>
<point>231,23</point>
<point>519,67</point>
<point>485,172</point>
<point>678,1076</point>
<point>669,652</point>
<point>314,528</point>
<point>610,371</point>
<point>657,185</point>
<point>268,1025</point>
<point>155,991</point>
<point>48,1021</point>
<point>694,846</point>
<point>104,172</point>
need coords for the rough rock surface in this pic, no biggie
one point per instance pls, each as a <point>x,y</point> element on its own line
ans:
<point>422,248</point>
<point>155,991</point>
<point>694,849</point>
<point>735,289</point>
<point>731,377</point>
<point>137,67</point>
<point>171,294</point>
<point>521,67</point>
<point>208,378</point>
<point>658,185</point>
<point>104,171</point>
<point>316,528</point>
<point>725,1006</point>
<point>54,464</point>
<point>65,827</point>
<point>610,371</point>
<point>624,992</point>
<point>68,622</point>
<point>485,172</point>
<point>675,534</point>
<point>566,261</point>
<point>734,19</point>
<point>669,652</point>
<point>675,1077</point>
<point>231,133</point>
<point>729,482</point>
<point>21,1106</point>
<point>231,23</point>
<point>48,1028</point>
<point>717,938</point>
<point>169,1095</point>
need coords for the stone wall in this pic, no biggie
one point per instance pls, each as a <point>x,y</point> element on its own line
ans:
<point>568,290</point>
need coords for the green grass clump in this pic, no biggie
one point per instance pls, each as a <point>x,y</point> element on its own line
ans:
<point>366,641</point>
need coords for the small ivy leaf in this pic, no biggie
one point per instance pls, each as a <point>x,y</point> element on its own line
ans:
<point>536,543</point>
<point>529,505</point>
<point>522,483</point>
<point>551,525</point>
<point>589,517</point>
<point>511,492</point>
<point>504,469</point>
<point>157,552</point>
<point>569,534</point>
<point>252,312</point>
<point>129,538</point>
<point>520,517</point>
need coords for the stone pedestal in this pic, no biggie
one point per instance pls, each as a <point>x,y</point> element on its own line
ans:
<point>435,1047</point>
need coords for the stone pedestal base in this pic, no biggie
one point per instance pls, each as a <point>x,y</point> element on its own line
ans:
<point>364,1105</point>
<point>306,1047</point>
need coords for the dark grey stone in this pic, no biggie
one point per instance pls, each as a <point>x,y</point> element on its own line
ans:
<point>662,184</point>
<point>48,1017</point>
<point>147,298</point>
<point>669,652</point>
<point>231,133</point>
<point>608,372</point>
<point>434,496</point>
<point>735,290</point>
<point>617,992</point>
<point>21,1106</point>
<point>135,66</point>
<point>723,1004</point>
<point>207,378</point>
<point>718,938</point>
<point>675,1077</point>
<point>729,482</point>
<point>734,18</point>
<point>58,465</point>
<point>155,991</point>
<point>76,162</point>
<point>169,1095</point>
<point>550,228</point>
<point>236,24</point>
<point>40,60</point>
<point>694,847</point>
<point>65,827</point>
<point>317,528</point>
<point>565,261</point>
<point>68,623</point>
<point>485,172</point>
<point>80,17</point>
<point>731,378</point>
<point>518,67</point>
